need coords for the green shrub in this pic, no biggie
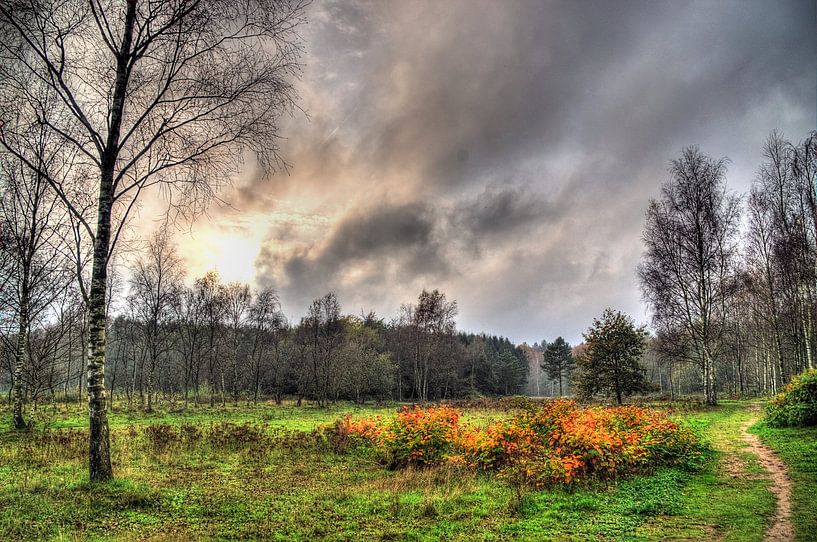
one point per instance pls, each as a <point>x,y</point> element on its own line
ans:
<point>797,405</point>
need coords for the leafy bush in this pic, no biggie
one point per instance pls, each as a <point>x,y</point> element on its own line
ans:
<point>419,436</point>
<point>562,442</point>
<point>558,443</point>
<point>796,406</point>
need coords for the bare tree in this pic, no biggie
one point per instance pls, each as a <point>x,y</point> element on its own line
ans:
<point>156,283</point>
<point>781,241</point>
<point>690,239</point>
<point>191,318</point>
<point>209,291</point>
<point>237,300</point>
<point>320,336</point>
<point>268,325</point>
<point>432,323</point>
<point>33,222</point>
<point>168,93</point>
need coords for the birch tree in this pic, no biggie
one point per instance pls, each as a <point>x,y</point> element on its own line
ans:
<point>691,246</point>
<point>156,284</point>
<point>238,300</point>
<point>173,94</point>
<point>33,224</point>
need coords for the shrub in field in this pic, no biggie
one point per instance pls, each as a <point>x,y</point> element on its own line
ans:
<point>190,434</point>
<point>231,435</point>
<point>45,446</point>
<point>419,436</point>
<point>559,443</point>
<point>161,437</point>
<point>796,406</point>
<point>422,435</point>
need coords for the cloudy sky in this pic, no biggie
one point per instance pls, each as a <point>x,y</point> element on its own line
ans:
<point>503,151</point>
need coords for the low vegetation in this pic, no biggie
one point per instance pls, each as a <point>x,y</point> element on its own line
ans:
<point>796,406</point>
<point>281,472</point>
<point>557,442</point>
<point>797,447</point>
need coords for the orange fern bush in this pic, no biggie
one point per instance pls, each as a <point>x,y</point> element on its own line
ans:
<point>562,443</point>
<point>558,443</point>
<point>420,436</point>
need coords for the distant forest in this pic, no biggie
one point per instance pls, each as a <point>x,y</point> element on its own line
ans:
<point>730,282</point>
<point>218,342</point>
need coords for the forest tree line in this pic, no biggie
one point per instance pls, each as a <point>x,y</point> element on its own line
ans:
<point>217,343</point>
<point>730,280</point>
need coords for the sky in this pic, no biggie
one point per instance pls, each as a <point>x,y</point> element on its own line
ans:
<point>503,152</point>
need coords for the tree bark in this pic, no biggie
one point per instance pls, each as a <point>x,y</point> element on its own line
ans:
<point>150,384</point>
<point>99,454</point>
<point>19,358</point>
<point>709,379</point>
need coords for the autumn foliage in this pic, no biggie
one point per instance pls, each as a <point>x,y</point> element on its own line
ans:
<point>557,443</point>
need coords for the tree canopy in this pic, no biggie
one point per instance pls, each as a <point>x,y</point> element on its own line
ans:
<point>558,361</point>
<point>611,362</point>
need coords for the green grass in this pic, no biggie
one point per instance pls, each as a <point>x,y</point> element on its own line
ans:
<point>286,416</point>
<point>797,447</point>
<point>307,492</point>
<point>728,499</point>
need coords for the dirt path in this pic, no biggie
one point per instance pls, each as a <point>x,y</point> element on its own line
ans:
<point>781,528</point>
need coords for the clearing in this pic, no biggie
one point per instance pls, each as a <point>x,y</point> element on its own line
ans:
<point>293,489</point>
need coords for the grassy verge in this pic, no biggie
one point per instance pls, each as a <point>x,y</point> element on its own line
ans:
<point>729,498</point>
<point>797,447</point>
<point>289,491</point>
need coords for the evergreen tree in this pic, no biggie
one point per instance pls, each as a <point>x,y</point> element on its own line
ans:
<point>611,363</point>
<point>558,361</point>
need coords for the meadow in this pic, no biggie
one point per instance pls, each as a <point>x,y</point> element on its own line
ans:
<point>270,472</point>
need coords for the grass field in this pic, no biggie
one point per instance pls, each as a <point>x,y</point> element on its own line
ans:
<point>291,486</point>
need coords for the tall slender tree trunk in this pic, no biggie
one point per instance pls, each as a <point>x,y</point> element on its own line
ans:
<point>99,446</point>
<point>100,443</point>
<point>807,333</point>
<point>710,395</point>
<point>113,374</point>
<point>538,379</point>
<point>83,362</point>
<point>19,358</point>
<point>69,358</point>
<point>235,379</point>
<point>223,387</point>
<point>399,381</point>
<point>186,383</point>
<point>150,383</point>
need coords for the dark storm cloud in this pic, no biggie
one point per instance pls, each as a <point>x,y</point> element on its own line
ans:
<point>387,241</point>
<point>401,242</point>
<point>504,211</point>
<point>384,228</point>
<point>420,111</point>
